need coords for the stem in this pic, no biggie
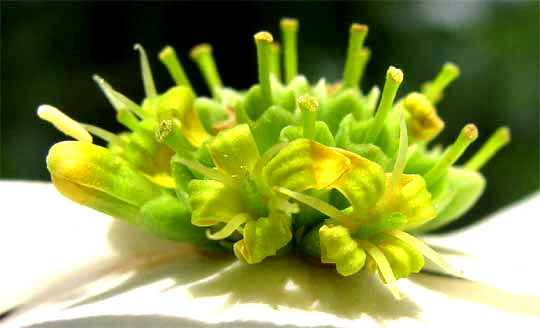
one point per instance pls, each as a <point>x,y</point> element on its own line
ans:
<point>276,61</point>
<point>353,63</point>
<point>263,42</point>
<point>202,55</point>
<point>449,72</point>
<point>498,139</point>
<point>394,77</point>
<point>289,30</point>
<point>148,80</point>
<point>101,133</point>
<point>170,60</point>
<point>468,134</point>
<point>308,106</point>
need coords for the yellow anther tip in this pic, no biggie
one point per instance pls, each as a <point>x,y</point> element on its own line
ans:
<point>289,23</point>
<point>395,74</point>
<point>308,103</point>
<point>470,131</point>
<point>166,52</point>
<point>264,36</point>
<point>355,27</point>
<point>200,49</point>
<point>451,68</point>
<point>504,133</point>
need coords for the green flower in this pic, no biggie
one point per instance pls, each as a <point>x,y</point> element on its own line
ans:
<point>325,170</point>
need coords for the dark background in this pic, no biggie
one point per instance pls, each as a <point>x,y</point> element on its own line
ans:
<point>50,50</point>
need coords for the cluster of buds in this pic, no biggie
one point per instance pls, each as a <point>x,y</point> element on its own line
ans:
<point>326,171</point>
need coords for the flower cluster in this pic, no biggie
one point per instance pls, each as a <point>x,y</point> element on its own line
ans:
<point>327,171</point>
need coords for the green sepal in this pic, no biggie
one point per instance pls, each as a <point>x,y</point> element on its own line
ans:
<point>308,216</point>
<point>267,128</point>
<point>393,221</point>
<point>234,151</point>
<point>166,217</point>
<point>210,112</point>
<point>338,247</point>
<point>299,85</point>
<point>403,258</point>
<point>310,244</point>
<point>336,107</point>
<point>253,103</point>
<point>465,187</point>
<point>181,175</point>
<point>264,237</point>
<point>213,202</point>
<point>369,151</point>
<point>322,134</point>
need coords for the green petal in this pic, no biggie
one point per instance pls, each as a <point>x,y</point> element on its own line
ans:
<point>264,237</point>
<point>306,164</point>
<point>338,247</point>
<point>213,202</point>
<point>362,185</point>
<point>411,198</point>
<point>403,258</point>
<point>234,151</point>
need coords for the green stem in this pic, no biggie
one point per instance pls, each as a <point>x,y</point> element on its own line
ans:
<point>170,60</point>
<point>263,42</point>
<point>468,134</point>
<point>353,63</point>
<point>308,106</point>
<point>449,72</point>
<point>498,139</point>
<point>276,61</point>
<point>394,77</point>
<point>289,30</point>
<point>148,80</point>
<point>202,55</point>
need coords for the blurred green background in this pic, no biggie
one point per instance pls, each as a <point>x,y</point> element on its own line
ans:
<point>49,52</point>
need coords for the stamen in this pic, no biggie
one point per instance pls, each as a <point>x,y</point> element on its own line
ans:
<point>202,55</point>
<point>101,133</point>
<point>384,266</point>
<point>354,61</point>
<point>498,139</point>
<point>289,30</point>
<point>468,134</point>
<point>276,61</point>
<point>263,41</point>
<point>63,123</point>
<point>365,54</point>
<point>169,131</point>
<point>424,249</point>
<point>308,106</point>
<point>434,89</point>
<point>229,228</point>
<point>128,120</point>
<point>394,77</point>
<point>401,158</point>
<point>118,100</point>
<point>148,80</point>
<point>168,57</point>
<point>206,171</point>
<point>317,204</point>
